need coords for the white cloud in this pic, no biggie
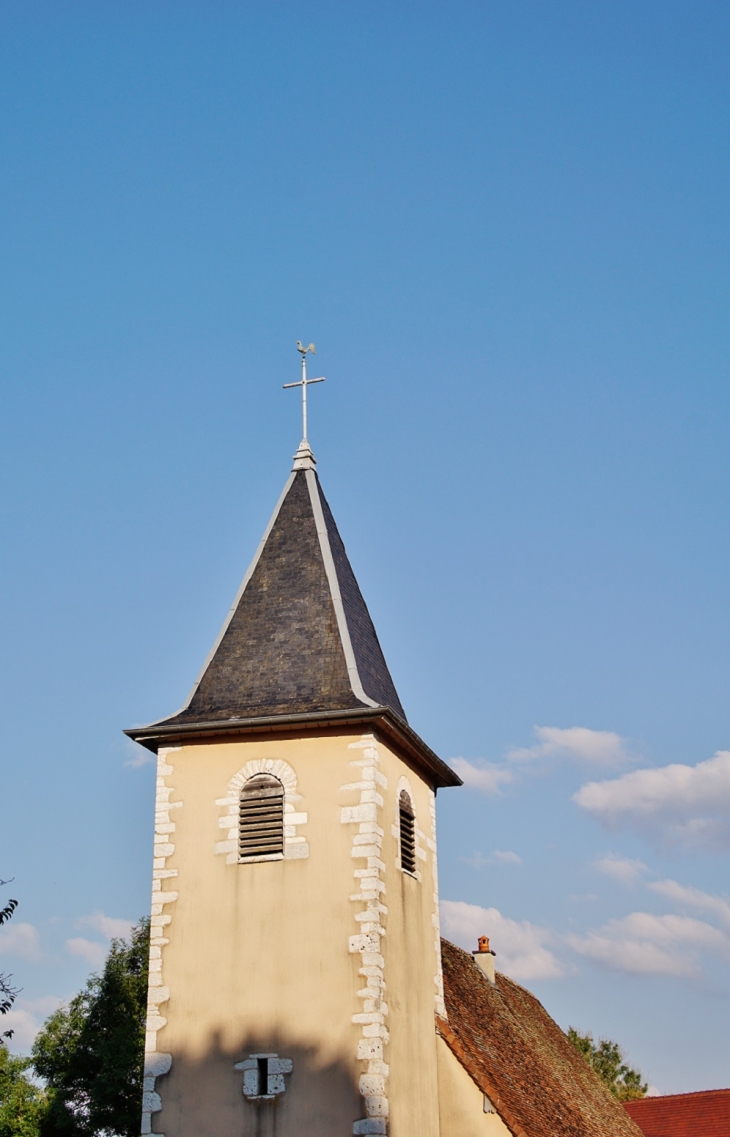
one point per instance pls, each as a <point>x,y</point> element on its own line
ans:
<point>671,929</point>
<point>20,939</point>
<point>94,953</point>
<point>691,897</point>
<point>619,868</point>
<point>520,946</point>
<point>138,755</point>
<point>686,805</point>
<point>595,747</point>
<point>26,1019</point>
<point>24,1027</point>
<point>109,926</point>
<point>498,857</point>
<point>488,778</point>
<point>645,944</point>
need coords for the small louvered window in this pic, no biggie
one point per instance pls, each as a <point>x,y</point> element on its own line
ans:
<point>261,818</point>
<point>407,833</point>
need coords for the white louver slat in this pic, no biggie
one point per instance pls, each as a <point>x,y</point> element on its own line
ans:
<point>407,833</point>
<point>261,818</point>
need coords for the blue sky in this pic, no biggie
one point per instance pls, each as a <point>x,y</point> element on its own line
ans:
<point>505,225</point>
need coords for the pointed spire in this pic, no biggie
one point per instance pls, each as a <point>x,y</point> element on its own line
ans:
<point>298,645</point>
<point>299,638</point>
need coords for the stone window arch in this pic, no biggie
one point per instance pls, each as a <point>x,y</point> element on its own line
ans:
<point>294,843</point>
<point>411,851</point>
<point>407,832</point>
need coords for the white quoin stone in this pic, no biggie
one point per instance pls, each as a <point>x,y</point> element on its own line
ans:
<point>376,1106</point>
<point>372,1084</point>
<point>367,811</point>
<point>251,1082</point>
<point>370,1049</point>
<point>156,1064</point>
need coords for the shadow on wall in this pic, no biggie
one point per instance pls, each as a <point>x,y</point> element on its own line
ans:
<point>211,1096</point>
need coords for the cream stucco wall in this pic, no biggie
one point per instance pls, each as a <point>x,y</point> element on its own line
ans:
<point>461,1102</point>
<point>290,956</point>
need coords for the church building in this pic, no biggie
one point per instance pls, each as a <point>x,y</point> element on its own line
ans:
<point>298,984</point>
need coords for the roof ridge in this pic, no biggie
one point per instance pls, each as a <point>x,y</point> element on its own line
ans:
<point>368,659</point>
<point>687,1094</point>
<point>334,585</point>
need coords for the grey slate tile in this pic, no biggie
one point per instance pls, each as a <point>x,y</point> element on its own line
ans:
<point>282,652</point>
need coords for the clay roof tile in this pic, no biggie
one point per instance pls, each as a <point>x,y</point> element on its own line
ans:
<point>702,1114</point>
<point>520,1058</point>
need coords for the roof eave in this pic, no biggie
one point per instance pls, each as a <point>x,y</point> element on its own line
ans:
<point>460,1052</point>
<point>397,732</point>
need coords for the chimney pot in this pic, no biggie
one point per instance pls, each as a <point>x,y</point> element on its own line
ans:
<point>484,958</point>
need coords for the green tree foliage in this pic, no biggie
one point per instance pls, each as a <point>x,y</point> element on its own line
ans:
<point>607,1059</point>
<point>22,1104</point>
<point>91,1052</point>
<point>7,991</point>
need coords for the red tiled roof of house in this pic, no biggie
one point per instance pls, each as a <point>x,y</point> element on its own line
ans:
<point>519,1057</point>
<point>703,1114</point>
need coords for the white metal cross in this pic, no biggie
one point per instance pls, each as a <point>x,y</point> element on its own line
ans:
<point>304,383</point>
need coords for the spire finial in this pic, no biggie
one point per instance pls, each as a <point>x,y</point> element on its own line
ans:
<point>304,383</point>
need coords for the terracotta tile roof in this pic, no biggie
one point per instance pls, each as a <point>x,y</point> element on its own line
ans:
<point>704,1114</point>
<point>520,1058</point>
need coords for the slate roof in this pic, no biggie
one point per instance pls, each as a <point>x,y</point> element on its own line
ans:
<point>298,644</point>
<point>703,1114</point>
<point>519,1057</point>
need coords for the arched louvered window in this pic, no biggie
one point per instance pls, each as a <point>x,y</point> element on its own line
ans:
<point>261,818</point>
<point>407,833</point>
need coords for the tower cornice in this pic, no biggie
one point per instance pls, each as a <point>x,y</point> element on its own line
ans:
<point>381,720</point>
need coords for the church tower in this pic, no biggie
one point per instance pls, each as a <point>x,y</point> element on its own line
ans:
<point>295,967</point>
